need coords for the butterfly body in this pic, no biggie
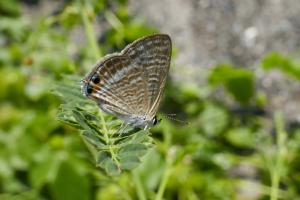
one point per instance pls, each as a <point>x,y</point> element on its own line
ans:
<point>130,84</point>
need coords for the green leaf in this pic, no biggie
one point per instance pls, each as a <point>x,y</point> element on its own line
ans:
<point>238,82</point>
<point>282,63</point>
<point>151,169</point>
<point>132,150</point>
<point>129,162</point>
<point>110,167</point>
<point>105,161</point>
<point>213,120</point>
<point>69,184</point>
<point>102,157</point>
<point>241,137</point>
<point>84,123</point>
<point>11,8</point>
<point>141,136</point>
<point>41,173</point>
<point>93,139</point>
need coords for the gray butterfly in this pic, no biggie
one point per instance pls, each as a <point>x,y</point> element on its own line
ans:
<point>130,84</point>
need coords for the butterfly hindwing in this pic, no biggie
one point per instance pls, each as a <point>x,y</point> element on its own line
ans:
<point>120,89</point>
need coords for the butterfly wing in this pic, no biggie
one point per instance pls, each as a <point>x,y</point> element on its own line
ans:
<point>153,55</point>
<point>117,85</point>
<point>130,84</point>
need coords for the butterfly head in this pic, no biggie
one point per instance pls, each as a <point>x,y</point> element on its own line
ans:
<point>143,121</point>
<point>155,121</point>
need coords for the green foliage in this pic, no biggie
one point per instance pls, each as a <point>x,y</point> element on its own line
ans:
<point>115,149</point>
<point>238,82</point>
<point>213,120</point>
<point>282,63</point>
<point>10,8</point>
<point>66,148</point>
<point>79,189</point>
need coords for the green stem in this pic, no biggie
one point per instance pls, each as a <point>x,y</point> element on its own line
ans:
<point>90,33</point>
<point>166,175</point>
<point>275,183</point>
<point>163,184</point>
<point>277,168</point>
<point>138,185</point>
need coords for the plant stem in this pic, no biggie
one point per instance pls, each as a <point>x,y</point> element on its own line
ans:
<point>170,159</point>
<point>138,185</point>
<point>90,33</point>
<point>280,151</point>
<point>163,184</point>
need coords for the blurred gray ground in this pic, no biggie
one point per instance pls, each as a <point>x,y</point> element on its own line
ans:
<point>208,32</point>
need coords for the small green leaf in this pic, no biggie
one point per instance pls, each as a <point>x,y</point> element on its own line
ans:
<point>284,64</point>
<point>93,139</point>
<point>84,123</point>
<point>129,162</point>
<point>132,150</point>
<point>110,167</point>
<point>213,120</point>
<point>102,157</point>
<point>241,137</point>
<point>237,81</point>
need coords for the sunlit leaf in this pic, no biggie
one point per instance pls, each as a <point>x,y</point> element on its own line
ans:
<point>282,63</point>
<point>238,82</point>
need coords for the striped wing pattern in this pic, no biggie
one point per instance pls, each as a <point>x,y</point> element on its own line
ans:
<point>130,84</point>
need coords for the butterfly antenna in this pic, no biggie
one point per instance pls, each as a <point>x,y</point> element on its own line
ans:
<point>170,116</point>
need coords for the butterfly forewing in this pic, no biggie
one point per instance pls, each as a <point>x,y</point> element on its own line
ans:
<point>131,83</point>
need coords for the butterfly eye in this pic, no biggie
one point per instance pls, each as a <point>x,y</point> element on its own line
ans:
<point>96,79</point>
<point>89,89</point>
<point>156,121</point>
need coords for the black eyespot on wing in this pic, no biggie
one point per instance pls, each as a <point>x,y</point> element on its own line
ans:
<point>95,79</point>
<point>89,89</point>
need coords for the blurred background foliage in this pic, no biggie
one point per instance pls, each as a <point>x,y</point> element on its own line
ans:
<point>229,150</point>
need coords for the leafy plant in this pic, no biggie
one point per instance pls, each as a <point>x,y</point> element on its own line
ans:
<point>115,149</point>
<point>236,150</point>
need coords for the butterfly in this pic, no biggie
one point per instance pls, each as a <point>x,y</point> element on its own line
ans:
<point>130,84</point>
